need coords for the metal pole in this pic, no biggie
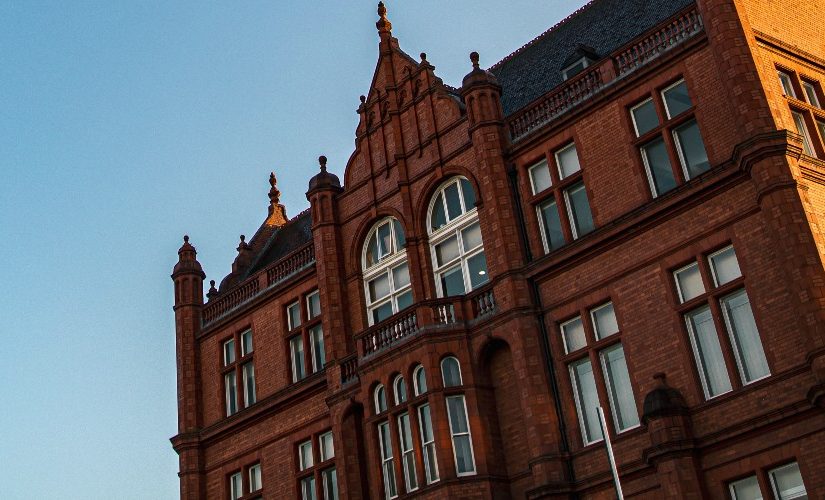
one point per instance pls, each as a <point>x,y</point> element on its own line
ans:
<point>610,458</point>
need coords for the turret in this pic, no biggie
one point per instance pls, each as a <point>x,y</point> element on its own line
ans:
<point>482,94</point>
<point>188,276</point>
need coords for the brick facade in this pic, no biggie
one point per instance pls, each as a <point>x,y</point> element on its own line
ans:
<point>762,194</point>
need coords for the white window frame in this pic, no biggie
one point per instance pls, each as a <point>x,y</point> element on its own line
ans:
<point>608,385</point>
<point>700,361</point>
<point>633,115</point>
<point>247,400</point>
<point>395,381</point>
<point>376,405</point>
<point>735,343</point>
<point>291,326</point>
<point>802,129</point>
<point>564,334</point>
<point>313,346</point>
<point>467,218</point>
<point>385,266</point>
<point>231,392</point>
<point>252,473</point>
<point>783,79</point>
<point>226,360</point>
<point>308,299</point>
<point>775,487</point>
<point>244,334</point>
<point>444,379</point>
<point>325,475</point>
<point>545,242</point>
<point>321,438</point>
<point>732,485</point>
<point>678,145</point>
<point>469,434</point>
<point>556,153</point>
<point>407,453</point>
<point>302,464</point>
<point>236,486</point>
<point>580,413</point>
<point>679,291</point>
<point>416,387</point>
<point>541,163</point>
<point>431,474</point>
<point>664,99</point>
<point>569,206</point>
<point>584,60</point>
<point>595,324</point>
<point>810,94</point>
<point>387,462</point>
<point>293,355</point>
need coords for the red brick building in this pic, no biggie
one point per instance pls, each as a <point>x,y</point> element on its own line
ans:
<point>626,213</point>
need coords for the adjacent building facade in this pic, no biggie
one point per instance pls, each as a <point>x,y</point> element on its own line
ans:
<point>628,213</point>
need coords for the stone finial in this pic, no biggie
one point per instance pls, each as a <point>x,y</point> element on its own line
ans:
<point>187,260</point>
<point>277,212</point>
<point>213,292</point>
<point>274,192</point>
<point>474,59</point>
<point>363,99</point>
<point>384,25</point>
<point>322,160</point>
<point>243,245</point>
<point>423,57</point>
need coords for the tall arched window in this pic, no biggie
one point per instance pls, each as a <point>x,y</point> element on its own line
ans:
<point>386,274</point>
<point>455,239</point>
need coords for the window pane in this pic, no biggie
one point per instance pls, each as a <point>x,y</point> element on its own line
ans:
<point>228,352</point>
<point>458,418</point>
<point>689,282</point>
<point>574,69</point>
<point>568,161</point>
<point>745,337</point>
<point>420,381</point>
<point>677,100</point>
<point>645,118</point>
<point>460,434</point>
<point>604,321</point>
<point>400,238</point>
<point>469,195</point>
<point>400,276</point>
<point>692,149</point>
<point>384,235</point>
<point>453,201</point>
<point>463,455</point>
<point>330,479</point>
<point>450,372</point>
<point>246,342</point>
<point>471,237</point>
<point>579,208</point>
<point>587,400</point>
<point>400,390</point>
<point>296,345</point>
<point>452,282</point>
<point>746,489</point>
<point>725,266</point>
<point>235,486</point>
<point>305,459</point>
<point>405,300</point>
<point>255,477</point>
<point>810,93</point>
<point>787,86</point>
<point>382,312</point>
<point>231,389</point>
<point>787,482</point>
<point>657,163</point>
<point>428,444</point>
<point>308,488</point>
<point>821,126</point>
<point>425,420</point>
<point>446,250</point>
<point>407,456</point>
<point>379,287</point>
<point>249,384</point>
<point>380,399</point>
<point>540,177</point>
<point>709,359</point>
<point>327,450</point>
<point>294,315</point>
<point>314,305</point>
<point>802,130</point>
<point>551,225</point>
<point>372,251</point>
<point>477,268</point>
<point>438,217</point>
<point>619,389</point>
<point>573,335</point>
<point>316,340</point>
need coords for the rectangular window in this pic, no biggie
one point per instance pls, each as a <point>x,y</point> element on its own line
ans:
<point>452,282</point>
<point>689,282</point>
<point>573,335</point>
<point>574,69</point>
<point>255,482</point>
<point>691,149</point>
<point>326,446</point>
<point>305,458</point>
<point>540,177</point>
<point>246,343</point>
<point>316,345</point>
<point>810,94</point>
<point>296,348</point>
<point>619,390</point>
<point>587,400</point>
<point>578,208</point>
<point>747,346</point>
<point>407,453</point>
<point>604,321</point>
<point>235,486</point>
<point>308,488</point>
<point>551,233</point>
<point>745,489</point>
<point>787,86</point>
<point>676,99</point>
<point>425,426</point>
<point>644,117</point>
<point>293,315</point>
<point>724,266</point>
<point>802,130</point>
<point>657,167</point>
<point>460,433</point>
<point>330,484</point>
<point>314,305</point>
<point>786,482</point>
<point>228,352</point>
<point>249,397</point>
<point>229,382</point>
<point>568,161</point>
<point>387,467</point>
<point>708,352</point>
<point>821,126</point>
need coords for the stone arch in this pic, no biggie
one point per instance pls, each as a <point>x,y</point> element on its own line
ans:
<point>424,200</point>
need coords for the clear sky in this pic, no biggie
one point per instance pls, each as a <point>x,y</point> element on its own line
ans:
<point>124,125</point>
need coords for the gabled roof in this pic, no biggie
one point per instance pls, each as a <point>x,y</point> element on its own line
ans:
<point>603,25</point>
<point>296,233</point>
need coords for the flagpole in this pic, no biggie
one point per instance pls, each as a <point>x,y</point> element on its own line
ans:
<point>609,446</point>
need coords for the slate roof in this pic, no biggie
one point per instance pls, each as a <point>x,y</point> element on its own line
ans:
<point>296,233</point>
<point>603,25</point>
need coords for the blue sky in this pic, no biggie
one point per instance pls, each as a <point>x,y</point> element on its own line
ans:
<point>124,125</point>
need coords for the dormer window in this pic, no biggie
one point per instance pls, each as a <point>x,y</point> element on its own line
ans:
<point>575,68</point>
<point>578,61</point>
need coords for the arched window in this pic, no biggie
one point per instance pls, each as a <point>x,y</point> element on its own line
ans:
<point>419,381</point>
<point>386,274</point>
<point>455,238</point>
<point>450,372</point>
<point>400,388</point>
<point>380,399</point>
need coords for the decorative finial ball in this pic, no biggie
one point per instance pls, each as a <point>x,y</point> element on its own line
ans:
<point>212,283</point>
<point>272,179</point>
<point>474,58</point>
<point>381,9</point>
<point>424,57</point>
<point>363,99</point>
<point>322,160</point>
<point>186,238</point>
<point>243,238</point>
